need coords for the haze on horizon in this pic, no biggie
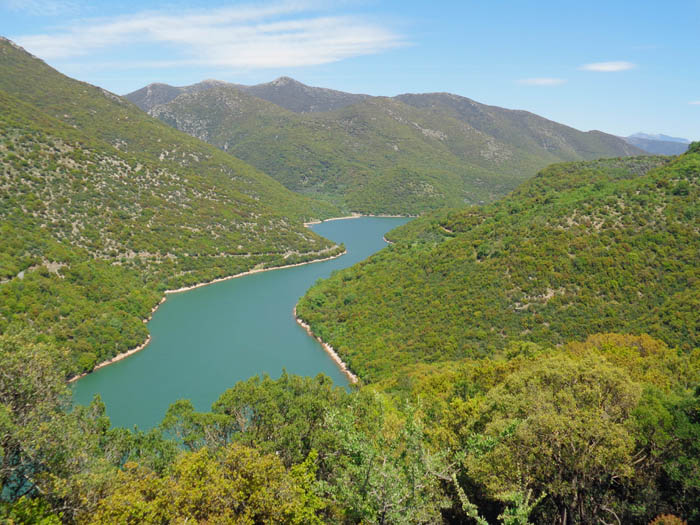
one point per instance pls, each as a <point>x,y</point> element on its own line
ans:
<point>592,66</point>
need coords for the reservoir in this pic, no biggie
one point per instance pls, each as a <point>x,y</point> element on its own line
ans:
<point>207,339</point>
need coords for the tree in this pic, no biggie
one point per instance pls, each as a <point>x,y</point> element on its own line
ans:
<point>384,472</point>
<point>559,426</point>
<point>235,484</point>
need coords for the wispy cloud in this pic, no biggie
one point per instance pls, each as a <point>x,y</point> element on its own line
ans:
<point>41,7</point>
<point>608,67</point>
<point>280,35</point>
<point>542,81</point>
<point>694,102</point>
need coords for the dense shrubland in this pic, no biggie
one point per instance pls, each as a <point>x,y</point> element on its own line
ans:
<point>607,430</point>
<point>609,245</point>
<point>495,389</point>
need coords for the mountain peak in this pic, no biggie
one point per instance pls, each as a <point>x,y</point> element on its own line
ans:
<point>17,46</point>
<point>212,82</point>
<point>284,81</point>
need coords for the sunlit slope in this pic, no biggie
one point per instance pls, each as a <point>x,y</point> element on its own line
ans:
<point>586,247</point>
<point>105,116</point>
<point>95,225</point>
<point>406,154</point>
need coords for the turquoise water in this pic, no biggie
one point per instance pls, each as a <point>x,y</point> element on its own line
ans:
<point>207,339</point>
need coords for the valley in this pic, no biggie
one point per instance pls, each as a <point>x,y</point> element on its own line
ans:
<point>280,303</point>
<point>407,154</point>
<point>205,340</point>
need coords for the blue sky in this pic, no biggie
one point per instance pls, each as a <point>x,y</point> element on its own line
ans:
<point>616,66</point>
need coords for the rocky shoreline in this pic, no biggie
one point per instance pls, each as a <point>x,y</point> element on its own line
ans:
<point>143,345</point>
<point>328,348</point>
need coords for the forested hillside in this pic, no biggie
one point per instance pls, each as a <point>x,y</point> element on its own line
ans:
<point>535,360</point>
<point>608,245</point>
<point>103,208</point>
<point>406,154</point>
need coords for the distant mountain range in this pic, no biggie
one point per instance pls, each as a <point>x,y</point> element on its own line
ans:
<point>405,154</point>
<point>659,144</point>
<point>284,91</point>
<point>659,137</point>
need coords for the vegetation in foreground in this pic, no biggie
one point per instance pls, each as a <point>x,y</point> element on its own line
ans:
<point>604,431</point>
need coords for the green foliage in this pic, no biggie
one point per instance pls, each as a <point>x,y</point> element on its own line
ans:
<point>236,485</point>
<point>601,428</point>
<point>31,400</point>
<point>609,245</point>
<point>28,511</point>
<point>559,420</point>
<point>370,459</point>
<point>517,514</point>
<point>289,412</point>
<point>103,208</point>
<point>404,155</point>
<point>521,508</point>
<point>47,451</point>
<point>386,475</point>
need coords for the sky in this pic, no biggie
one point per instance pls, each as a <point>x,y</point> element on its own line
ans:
<point>615,66</point>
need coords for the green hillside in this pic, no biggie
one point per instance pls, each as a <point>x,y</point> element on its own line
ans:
<point>482,408</point>
<point>587,247</point>
<point>407,154</point>
<point>102,208</point>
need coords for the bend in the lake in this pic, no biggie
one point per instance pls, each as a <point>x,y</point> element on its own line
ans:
<point>207,339</point>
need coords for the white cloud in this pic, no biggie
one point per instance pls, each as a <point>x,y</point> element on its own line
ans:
<point>279,35</point>
<point>41,7</point>
<point>694,102</point>
<point>542,81</point>
<point>608,67</point>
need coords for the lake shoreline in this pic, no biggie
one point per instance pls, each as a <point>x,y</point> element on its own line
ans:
<point>354,215</point>
<point>251,272</point>
<point>143,345</point>
<point>328,348</point>
<point>342,365</point>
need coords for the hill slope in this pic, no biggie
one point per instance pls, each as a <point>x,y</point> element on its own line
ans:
<point>609,245</point>
<point>102,208</point>
<point>405,154</point>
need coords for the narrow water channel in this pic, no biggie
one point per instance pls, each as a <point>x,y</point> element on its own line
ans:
<point>207,339</point>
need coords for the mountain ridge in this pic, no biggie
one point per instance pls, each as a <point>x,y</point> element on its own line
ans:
<point>660,137</point>
<point>404,154</point>
<point>306,99</point>
<point>658,144</point>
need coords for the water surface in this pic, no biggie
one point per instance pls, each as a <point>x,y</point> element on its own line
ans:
<point>207,339</point>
